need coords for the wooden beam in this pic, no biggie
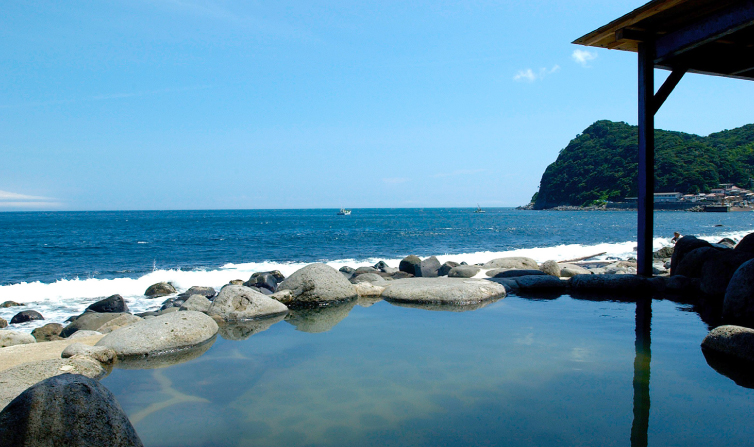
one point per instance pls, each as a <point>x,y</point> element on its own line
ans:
<point>666,88</point>
<point>645,201</point>
<point>708,29</point>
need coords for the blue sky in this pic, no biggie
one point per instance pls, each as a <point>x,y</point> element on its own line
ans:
<point>159,104</point>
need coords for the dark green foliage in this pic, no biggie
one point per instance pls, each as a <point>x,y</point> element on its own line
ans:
<point>601,164</point>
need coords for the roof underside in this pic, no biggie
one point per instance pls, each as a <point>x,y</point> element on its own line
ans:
<point>702,36</point>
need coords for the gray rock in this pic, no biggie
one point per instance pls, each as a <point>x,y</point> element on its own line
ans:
<point>241,330</point>
<point>367,277</point>
<point>614,284</point>
<point>26,315</point>
<point>165,359</point>
<point>66,410</point>
<point>170,332</point>
<point>199,303</point>
<point>732,341</point>
<point>401,275</point>
<point>318,283</point>
<point>551,268</point>
<point>207,292</point>
<point>691,264</point>
<point>243,303</point>
<point>3,323</point>
<point>719,269</point>
<point>347,271</point>
<point>571,270</point>
<point>428,268</point>
<point>677,284</point>
<point>463,271</point>
<point>513,273</point>
<point>682,247</point>
<point>544,282</point>
<point>83,333</point>
<point>442,290</point>
<point>728,242</point>
<point>738,304</point>
<point>445,268</point>
<point>410,264</point>
<point>102,354</point>
<point>363,270</point>
<point>513,262</point>
<point>320,319</point>
<point>262,281</point>
<point>160,289</point>
<point>13,381</point>
<point>663,253</point>
<point>114,303</point>
<point>367,289</point>
<point>168,310</point>
<point>117,323</point>
<point>89,321</point>
<point>746,244</point>
<point>236,282</point>
<point>10,304</point>
<point>13,338</point>
<point>510,284</point>
<point>48,332</point>
<point>284,296</point>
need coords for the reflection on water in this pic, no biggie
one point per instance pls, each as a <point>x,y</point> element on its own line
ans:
<point>517,372</point>
<point>320,319</point>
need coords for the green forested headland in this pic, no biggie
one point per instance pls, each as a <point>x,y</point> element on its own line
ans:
<point>601,164</point>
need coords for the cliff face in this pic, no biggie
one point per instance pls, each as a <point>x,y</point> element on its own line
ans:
<point>601,164</point>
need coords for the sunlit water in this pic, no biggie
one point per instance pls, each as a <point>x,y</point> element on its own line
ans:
<point>518,372</point>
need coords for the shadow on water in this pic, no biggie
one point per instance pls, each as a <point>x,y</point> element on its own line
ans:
<point>441,307</point>
<point>165,360</point>
<point>242,330</point>
<point>319,319</point>
<point>741,372</point>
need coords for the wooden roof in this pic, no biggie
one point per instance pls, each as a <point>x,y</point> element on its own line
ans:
<point>713,37</point>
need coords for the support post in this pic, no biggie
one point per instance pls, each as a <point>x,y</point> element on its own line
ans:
<point>642,360</point>
<point>646,159</point>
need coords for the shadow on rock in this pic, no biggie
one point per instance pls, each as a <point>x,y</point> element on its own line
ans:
<point>321,318</point>
<point>739,371</point>
<point>241,330</point>
<point>162,360</point>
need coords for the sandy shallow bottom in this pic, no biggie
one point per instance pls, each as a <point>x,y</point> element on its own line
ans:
<point>517,372</point>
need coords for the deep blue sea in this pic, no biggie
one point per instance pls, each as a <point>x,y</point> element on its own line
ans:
<point>62,261</point>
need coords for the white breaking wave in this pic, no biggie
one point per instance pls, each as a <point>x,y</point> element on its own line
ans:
<point>59,300</point>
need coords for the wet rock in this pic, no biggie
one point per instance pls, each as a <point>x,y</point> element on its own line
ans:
<point>677,284</point>
<point>243,303</point>
<point>732,341</point>
<point>15,380</point>
<point>89,321</point>
<point>241,330</point>
<point>101,354</point>
<point>513,273</point>
<point>746,244</point>
<point>318,283</point>
<point>48,332</point>
<point>663,253</point>
<point>114,303</point>
<point>117,323</point>
<point>551,268</point>
<point>738,304</point>
<point>367,277</point>
<point>10,304</point>
<point>172,302</point>
<point>728,242</point>
<point>442,290</point>
<point>410,264</point>
<point>13,338</point>
<point>445,268</point>
<point>615,284</point>
<point>199,303</point>
<point>160,289</point>
<point>3,323</point>
<point>719,269</point>
<point>173,331</point>
<point>691,264</point>
<point>207,292</point>
<point>262,281</point>
<point>320,319</point>
<point>543,282</point>
<point>463,271</point>
<point>682,247</point>
<point>513,262</point>
<point>26,315</point>
<point>67,410</point>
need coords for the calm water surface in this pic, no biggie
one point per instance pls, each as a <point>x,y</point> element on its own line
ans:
<point>518,372</point>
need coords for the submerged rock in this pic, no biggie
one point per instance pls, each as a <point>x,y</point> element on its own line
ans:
<point>13,338</point>
<point>114,303</point>
<point>26,315</point>
<point>244,303</point>
<point>318,283</point>
<point>160,289</point>
<point>67,410</point>
<point>442,290</point>
<point>732,341</point>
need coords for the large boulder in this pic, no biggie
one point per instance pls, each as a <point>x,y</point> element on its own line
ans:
<point>160,289</point>
<point>512,262</point>
<point>318,283</point>
<point>207,292</point>
<point>26,315</point>
<point>719,269</point>
<point>48,332</point>
<point>445,268</point>
<point>537,283</point>
<point>89,321</point>
<point>613,284</point>
<point>663,253</point>
<point>428,268</point>
<point>169,332</point>
<point>13,338</point>
<point>199,303</point>
<point>117,323</point>
<point>463,271</point>
<point>738,304</point>
<point>367,277</point>
<point>691,264</point>
<point>454,291</point>
<point>114,303</point>
<point>551,268</point>
<point>263,280</point>
<point>682,247</point>
<point>410,264</point>
<point>102,354</point>
<point>10,304</point>
<point>732,341</point>
<point>746,244</point>
<point>243,303</point>
<point>66,410</point>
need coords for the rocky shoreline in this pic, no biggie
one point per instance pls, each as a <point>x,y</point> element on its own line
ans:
<point>57,363</point>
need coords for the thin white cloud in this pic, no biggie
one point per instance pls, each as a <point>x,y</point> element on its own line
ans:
<point>5,196</point>
<point>583,57</point>
<point>30,204</point>
<point>394,180</point>
<point>14,200</point>
<point>530,75</point>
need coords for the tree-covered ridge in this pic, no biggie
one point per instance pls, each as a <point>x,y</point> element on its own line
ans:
<point>602,164</point>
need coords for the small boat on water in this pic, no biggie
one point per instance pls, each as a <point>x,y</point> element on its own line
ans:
<point>479,209</point>
<point>344,212</point>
